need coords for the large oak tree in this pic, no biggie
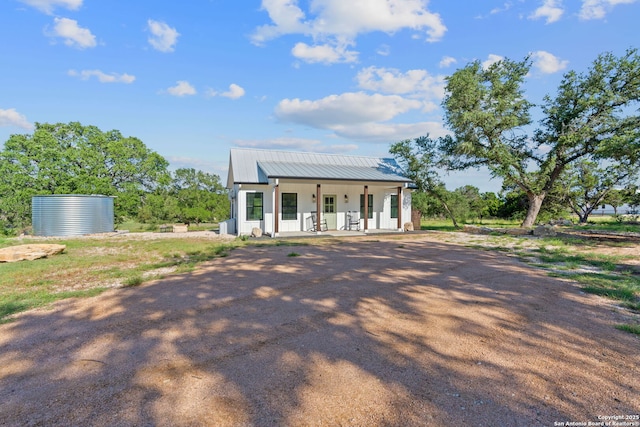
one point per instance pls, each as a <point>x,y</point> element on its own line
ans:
<point>593,115</point>
<point>74,159</point>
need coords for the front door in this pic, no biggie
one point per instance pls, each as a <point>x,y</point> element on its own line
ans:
<point>329,211</point>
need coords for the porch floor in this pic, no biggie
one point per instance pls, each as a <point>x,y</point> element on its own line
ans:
<point>335,233</point>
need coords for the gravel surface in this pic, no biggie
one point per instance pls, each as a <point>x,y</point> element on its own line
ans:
<point>367,332</point>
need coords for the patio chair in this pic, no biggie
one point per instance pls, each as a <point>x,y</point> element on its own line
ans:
<point>313,222</point>
<point>353,220</point>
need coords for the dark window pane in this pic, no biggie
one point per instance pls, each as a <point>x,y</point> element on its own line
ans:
<point>289,206</point>
<point>254,206</point>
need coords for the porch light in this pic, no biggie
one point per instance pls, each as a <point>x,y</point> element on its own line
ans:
<point>346,198</point>
<point>313,198</point>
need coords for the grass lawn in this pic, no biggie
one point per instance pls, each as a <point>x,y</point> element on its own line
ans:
<point>90,266</point>
<point>134,226</point>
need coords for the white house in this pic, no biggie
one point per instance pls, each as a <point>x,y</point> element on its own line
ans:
<point>281,191</point>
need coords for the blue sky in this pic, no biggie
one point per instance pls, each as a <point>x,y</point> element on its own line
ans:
<point>193,79</point>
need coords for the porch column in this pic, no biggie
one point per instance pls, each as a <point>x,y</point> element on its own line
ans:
<point>318,204</point>
<point>366,208</point>
<point>276,211</point>
<point>399,208</point>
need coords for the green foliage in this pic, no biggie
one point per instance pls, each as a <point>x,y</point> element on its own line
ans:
<point>586,184</point>
<point>614,198</point>
<point>201,196</point>
<point>192,197</point>
<point>592,116</point>
<point>419,160</point>
<point>75,159</point>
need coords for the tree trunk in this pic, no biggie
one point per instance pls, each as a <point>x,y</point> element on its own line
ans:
<point>453,218</point>
<point>535,203</point>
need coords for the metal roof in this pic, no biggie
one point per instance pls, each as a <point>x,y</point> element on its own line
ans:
<point>251,166</point>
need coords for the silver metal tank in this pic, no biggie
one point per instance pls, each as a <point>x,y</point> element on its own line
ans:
<point>71,214</point>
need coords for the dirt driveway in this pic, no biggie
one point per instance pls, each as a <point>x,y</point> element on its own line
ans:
<point>369,332</point>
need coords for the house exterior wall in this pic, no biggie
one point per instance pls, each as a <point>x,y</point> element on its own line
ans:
<point>306,205</point>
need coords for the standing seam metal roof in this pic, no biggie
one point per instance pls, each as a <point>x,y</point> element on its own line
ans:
<point>256,166</point>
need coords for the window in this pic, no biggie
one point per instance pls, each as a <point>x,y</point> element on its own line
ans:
<point>254,206</point>
<point>289,206</point>
<point>394,206</point>
<point>370,205</point>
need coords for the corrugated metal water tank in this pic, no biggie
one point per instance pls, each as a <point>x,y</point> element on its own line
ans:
<point>71,214</point>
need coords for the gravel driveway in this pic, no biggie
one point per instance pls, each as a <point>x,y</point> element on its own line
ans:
<point>368,332</point>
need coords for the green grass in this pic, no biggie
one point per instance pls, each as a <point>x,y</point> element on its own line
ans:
<point>624,288</point>
<point>437,224</point>
<point>15,302</point>
<point>607,223</point>
<point>565,257</point>
<point>136,227</point>
<point>562,256</point>
<point>633,329</point>
<point>88,266</point>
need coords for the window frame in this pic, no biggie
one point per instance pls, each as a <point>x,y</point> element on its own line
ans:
<point>370,213</point>
<point>251,198</point>
<point>289,211</point>
<point>396,207</point>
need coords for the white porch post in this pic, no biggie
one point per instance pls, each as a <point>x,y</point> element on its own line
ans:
<point>276,210</point>
<point>400,228</point>
<point>318,204</point>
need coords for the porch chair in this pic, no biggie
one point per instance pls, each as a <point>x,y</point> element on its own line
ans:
<point>353,220</point>
<point>313,220</point>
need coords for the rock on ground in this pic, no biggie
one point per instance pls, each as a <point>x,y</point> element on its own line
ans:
<point>29,252</point>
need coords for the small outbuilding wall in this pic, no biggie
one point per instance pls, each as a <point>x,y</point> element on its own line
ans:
<point>71,214</point>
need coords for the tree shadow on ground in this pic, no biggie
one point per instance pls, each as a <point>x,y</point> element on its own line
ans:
<point>362,333</point>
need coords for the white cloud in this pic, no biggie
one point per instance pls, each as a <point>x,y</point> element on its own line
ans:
<point>548,63</point>
<point>551,10</point>
<point>417,83</point>
<point>325,53</point>
<point>73,34</point>
<point>598,9</point>
<point>491,59</point>
<point>47,6</point>
<point>337,23</point>
<point>163,37</point>
<point>447,61</point>
<point>384,50</point>
<point>358,116</point>
<point>102,77</point>
<point>234,92</point>
<point>390,132</point>
<point>182,88</point>
<point>346,109</point>
<point>504,8</point>
<point>299,144</point>
<point>11,117</point>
